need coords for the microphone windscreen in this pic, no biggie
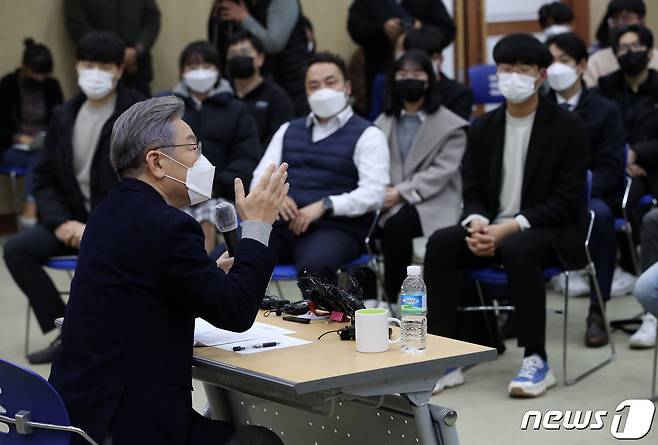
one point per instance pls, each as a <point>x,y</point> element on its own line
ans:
<point>225,217</point>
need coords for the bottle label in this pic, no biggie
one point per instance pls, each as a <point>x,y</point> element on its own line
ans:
<point>411,303</point>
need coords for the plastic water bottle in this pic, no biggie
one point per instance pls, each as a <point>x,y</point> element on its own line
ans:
<point>413,311</point>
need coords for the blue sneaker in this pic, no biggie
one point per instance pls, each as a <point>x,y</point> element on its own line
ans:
<point>533,379</point>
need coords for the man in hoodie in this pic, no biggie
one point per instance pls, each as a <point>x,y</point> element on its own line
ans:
<point>222,123</point>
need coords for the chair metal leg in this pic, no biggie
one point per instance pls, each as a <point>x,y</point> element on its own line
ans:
<point>27,329</point>
<point>628,230</point>
<point>278,288</point>
<point>654,392</point>
<point>492,334</point>
<point>591,271</point>
<point>565,327</point>
<point>13,183</point>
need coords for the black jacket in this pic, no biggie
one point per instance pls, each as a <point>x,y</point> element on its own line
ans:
<point>10,104</point>
<point>229,137</point>
<point>270,107</point>
<point>365,25</point>
<point>56,189</point>
<point>137,22</point>
<point>553,194</point>
<point>640,114</point>
<point>605,132</point>
<point>638,109</point>
<point>455,96</point>
<point>142,277</point>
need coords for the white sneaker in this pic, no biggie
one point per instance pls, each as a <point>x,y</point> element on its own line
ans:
<point>622,283</point>
<point>578,284</point>
<point>645,336</point>
<point>452,377</point>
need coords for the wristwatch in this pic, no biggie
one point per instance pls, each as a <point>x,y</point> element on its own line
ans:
<point>328,206</point>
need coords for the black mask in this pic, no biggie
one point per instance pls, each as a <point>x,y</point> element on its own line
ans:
<point>633,62</point>
<point>241,67</point>
<point>410,90</point>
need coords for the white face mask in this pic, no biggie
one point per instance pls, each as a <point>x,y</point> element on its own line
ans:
<point>556,29</point>
<point>327,102</point>
<point>516,88</point>
<point>201,80</point>
<point>199,179</point>
<point>561,76</point>
<point>95,83</point>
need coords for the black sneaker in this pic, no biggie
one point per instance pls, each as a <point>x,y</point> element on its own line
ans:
<point>46,355</point>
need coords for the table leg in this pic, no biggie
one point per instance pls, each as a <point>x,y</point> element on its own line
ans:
<point>424,424</point>
<point>426,418</point>
<point>218,406</point>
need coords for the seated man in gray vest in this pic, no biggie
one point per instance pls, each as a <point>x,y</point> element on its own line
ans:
<point>338,172</point>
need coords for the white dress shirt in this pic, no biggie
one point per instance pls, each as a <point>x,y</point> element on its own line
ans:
<point>371,158</point>
<point>573,102</point>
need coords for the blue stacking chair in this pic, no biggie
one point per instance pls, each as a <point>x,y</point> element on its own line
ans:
<point>31,411</point>
<point>377,100</point>
<point>63,263</point>
<point>288,272</point>
<point>484,83</point>
<point>497,276</point>
<point>14,172</point>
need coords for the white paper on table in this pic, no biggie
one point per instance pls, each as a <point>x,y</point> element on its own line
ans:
<point>206,334</point>
<point>285,341</point>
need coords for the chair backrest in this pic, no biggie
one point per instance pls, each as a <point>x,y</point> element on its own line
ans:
<point>484,84</point>
<point>16,170</point>
<point>377,97</point>
<point>23,389</point>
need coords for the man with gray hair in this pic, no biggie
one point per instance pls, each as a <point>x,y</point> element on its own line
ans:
<point>124,371</point>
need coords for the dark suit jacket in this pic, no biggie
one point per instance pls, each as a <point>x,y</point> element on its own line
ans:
<point>605,131</point>
<point>553,195</point>
<point>56,188</point>
<point>142,277</point>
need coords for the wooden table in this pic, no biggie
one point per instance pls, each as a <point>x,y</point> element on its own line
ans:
<point>303,376</point>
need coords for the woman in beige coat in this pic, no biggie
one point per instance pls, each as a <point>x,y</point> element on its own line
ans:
<point>426,142</point>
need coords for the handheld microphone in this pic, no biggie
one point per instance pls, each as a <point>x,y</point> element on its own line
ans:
<point>226,221</point>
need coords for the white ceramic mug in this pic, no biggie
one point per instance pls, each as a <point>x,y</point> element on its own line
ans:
<point>372,330</point>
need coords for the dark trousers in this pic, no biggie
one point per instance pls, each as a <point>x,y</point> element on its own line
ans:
<point>524,255</point>
<point>24,255</point>
<point>320,251</point>
<point>397,245</point>
<point>649,239</point>
<point>603,248</point>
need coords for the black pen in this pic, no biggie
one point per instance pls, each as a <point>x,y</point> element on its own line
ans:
<point>268,344</point>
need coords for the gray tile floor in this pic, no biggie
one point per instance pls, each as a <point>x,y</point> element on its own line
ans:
<point>486,414</point>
